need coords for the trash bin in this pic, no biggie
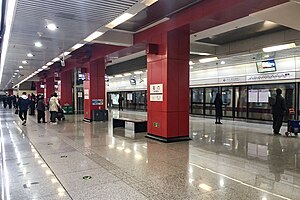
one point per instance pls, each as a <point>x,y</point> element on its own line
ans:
<point>100,115</point>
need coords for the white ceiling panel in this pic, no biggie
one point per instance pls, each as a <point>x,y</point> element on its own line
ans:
<point>76,19</point>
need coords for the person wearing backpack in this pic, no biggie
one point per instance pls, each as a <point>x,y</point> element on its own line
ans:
<point>278,110</point>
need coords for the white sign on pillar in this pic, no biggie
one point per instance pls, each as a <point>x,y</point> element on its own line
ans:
<point>156,92</point>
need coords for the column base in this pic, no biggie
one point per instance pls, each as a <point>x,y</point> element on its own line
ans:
<point>168,140</point>
<point>87,120</point>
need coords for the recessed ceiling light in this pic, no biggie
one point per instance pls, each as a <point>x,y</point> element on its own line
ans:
<point>29,55</point>
<point>38,44</point>
<point>17,70</point>
<point>51,27</point>
<point>223,62</point>
<point>13,76</point>
<point>15,73</point>
<point>21,67</point>
<point>24,62</point>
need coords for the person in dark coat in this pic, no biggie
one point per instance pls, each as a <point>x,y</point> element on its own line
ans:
<point>278,110</point>
<point>32,104</point>
<point>5,101</point>
<point>41,107</point>
<point>120,101</point>
<point>218,106</point>
<point>23,104</point>
<point>9,101</point>
<point>14,101</point>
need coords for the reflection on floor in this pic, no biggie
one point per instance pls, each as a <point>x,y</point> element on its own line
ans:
<point>77,160</point>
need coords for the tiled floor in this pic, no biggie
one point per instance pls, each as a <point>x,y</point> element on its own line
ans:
<point>236,160</point>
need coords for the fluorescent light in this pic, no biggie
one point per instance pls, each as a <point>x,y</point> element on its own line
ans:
<point>66,53</point>
<point>44,67</point>
<point>191,63</point>
<point>13,76</point>
<point>39,70</point>
<point>21,67</point>
<point>15,73</point>
<point>119,20</point>
<point>49,63</point>
<point>138,72</point>
<point>29,55</point>
<point>148,2</point>
<point>51,27</point>
<point>24,62</point>
<point>205,60</point>
<point>93,36</point>
<point>17,70</point>
<point>77,46</point>
<point>279,47</point>
<point>119,76</point>
<point>6,37</point>
<point>223,62</point>
<point>38,44</point>
<point>200,54</point>
<point>110,77</point>
<point>56,59</point>
<point>127,74</point>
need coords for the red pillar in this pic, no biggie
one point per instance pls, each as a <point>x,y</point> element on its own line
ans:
<point>49,88</point>
<point>10,92</point>
<point>94,87</point>
<point>39,88</point>
<point>65,88</point>
<point>168,120</point>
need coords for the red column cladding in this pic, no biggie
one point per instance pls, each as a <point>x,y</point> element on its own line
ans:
<point>49,88</point>
<point>94,87</point>
<point>39,87</point>
<point>66,88</point>
<point>168,120</point>
<point>10,91</point>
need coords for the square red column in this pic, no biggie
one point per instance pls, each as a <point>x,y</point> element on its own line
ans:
<point>168,120</point>
<point>65,88</point>
<point>94,88</point>
<point>49,88</point>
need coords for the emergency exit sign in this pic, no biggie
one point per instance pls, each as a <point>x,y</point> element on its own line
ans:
<point>155,124</point>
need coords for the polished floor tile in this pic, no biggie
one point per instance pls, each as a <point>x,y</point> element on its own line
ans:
<point>236,160</point>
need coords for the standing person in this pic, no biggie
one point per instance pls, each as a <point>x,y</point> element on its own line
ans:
<point>23,103</point>
<point>5,101</point>
<point>120,101</point>
<point>278,110</point>
<point>32,104</point>
<point>9,101</point>
<point>41,107</point>
<point>53,107</point>
<point>218,107</point>
<point>14,100</point>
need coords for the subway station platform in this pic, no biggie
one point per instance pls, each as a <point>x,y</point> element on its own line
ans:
<point>78,160</point>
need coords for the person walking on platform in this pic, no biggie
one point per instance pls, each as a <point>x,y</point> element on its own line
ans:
<point>120,101</point>
<point>278,110</point>
<point>41,107</point>
<point>23,104</point>
<point>9,101</point>
<point>218,107</point>
<point>53,107</point>
<point>4,101</point>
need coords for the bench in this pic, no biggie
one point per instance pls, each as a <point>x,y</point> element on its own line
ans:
<point>132,126</point>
